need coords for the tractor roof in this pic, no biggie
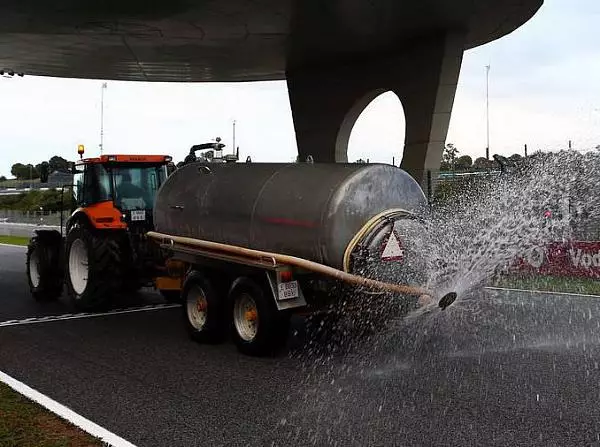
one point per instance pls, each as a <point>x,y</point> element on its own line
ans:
<point>151,159</point>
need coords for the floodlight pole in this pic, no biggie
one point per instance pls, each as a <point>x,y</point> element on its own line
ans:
<point>233,147</point>
<point>487,110</point>
<point>104,87</point>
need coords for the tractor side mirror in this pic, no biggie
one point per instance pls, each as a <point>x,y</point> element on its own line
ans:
<point>72,167</point>
<point>171,167</point>
<point>44,172</point>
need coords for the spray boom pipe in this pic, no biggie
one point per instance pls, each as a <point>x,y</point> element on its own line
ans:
<point>304,264</point>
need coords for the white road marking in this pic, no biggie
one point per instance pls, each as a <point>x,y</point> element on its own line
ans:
<point>50,318</point>
<point>545,292</point>
<point>24,247</point>
<point>65,413</point>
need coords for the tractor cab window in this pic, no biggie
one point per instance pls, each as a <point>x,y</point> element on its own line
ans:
<point>136,186</point>
<point>78,187</point>
<point>92,185</point>
<point>103,190</point>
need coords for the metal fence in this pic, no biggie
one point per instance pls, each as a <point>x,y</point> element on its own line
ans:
<point>586,230</point>
<point>33,217</point>
<point>27,185</point>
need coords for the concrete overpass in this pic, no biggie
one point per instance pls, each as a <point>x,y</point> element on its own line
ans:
<point>336,55</point>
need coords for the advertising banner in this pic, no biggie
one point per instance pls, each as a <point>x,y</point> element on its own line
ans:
<point>575,258</point>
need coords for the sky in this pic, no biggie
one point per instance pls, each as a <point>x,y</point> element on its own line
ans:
<point>544,90</point>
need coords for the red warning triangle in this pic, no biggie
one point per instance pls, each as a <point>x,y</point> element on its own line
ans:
<point>392,250</point>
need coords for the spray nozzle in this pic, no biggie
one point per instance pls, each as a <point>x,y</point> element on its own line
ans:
<point>447,300</point>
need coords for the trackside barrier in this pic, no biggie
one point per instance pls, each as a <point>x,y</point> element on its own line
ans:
<point>580,259</point>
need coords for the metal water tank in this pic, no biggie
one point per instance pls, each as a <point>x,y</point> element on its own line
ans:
<point>323,212</point>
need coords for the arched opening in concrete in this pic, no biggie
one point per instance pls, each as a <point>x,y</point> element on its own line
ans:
<point>376,129</point>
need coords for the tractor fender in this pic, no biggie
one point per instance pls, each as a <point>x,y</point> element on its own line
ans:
<point>77,217</point>
<point>102,216</point>
<point>48,235</point>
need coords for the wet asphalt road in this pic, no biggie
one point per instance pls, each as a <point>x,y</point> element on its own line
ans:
<point>497,368</point>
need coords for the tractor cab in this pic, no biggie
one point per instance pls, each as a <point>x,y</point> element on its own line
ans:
<point>118,191</point>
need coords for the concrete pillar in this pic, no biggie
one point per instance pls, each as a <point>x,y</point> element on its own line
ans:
<point>427,100</point>
<point>326,100</point>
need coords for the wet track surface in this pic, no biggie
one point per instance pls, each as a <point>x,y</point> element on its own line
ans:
<point>500,368</point>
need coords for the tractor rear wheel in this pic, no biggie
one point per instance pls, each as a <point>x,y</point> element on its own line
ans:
<point>93,261</point>
<point>44,274</point>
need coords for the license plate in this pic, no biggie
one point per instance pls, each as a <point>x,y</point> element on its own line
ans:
<point>288,290</point>
<point>138,215</point>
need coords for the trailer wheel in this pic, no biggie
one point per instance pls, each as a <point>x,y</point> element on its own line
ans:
<point>258,328</point>
<point>93,262</point>
<point>43,268</point>
<point>203,311</point>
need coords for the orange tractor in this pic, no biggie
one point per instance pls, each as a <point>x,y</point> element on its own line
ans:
<point>104,250</point>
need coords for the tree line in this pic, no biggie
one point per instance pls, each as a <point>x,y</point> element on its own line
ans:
<point>34,200</point>
<point>22,171</point>
<point>452,162</point>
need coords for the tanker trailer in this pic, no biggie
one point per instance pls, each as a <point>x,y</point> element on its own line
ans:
<point>359,220</point>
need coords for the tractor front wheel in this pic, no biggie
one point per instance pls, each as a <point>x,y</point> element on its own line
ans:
<point>43,267</point>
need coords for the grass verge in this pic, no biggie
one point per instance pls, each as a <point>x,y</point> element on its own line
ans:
<point>14,240</point>
<point>587,286</point>
<point>23,423</point>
